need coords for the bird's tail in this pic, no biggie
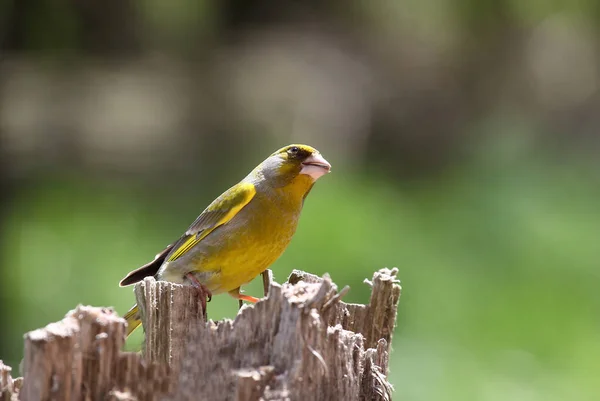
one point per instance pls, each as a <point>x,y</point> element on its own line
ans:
<point>133,319</point>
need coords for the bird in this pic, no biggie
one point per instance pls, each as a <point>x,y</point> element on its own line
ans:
<point>241,233</point>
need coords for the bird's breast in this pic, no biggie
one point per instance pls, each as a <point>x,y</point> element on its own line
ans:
<point>248,244</point>
<point>236,252</point>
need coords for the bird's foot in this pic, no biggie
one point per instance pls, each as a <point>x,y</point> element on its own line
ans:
<point>203,291</point>
<point>241,297</point>
<point>248,298</point>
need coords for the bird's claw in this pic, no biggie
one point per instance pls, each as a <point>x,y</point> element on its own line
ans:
<point>203,291</point>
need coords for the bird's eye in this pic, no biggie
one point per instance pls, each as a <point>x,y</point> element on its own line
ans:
<point>293,150</point>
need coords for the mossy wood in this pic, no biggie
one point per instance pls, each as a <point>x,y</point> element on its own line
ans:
<point>299,343</point>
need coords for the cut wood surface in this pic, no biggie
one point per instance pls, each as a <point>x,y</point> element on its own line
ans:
<point>301,342</point>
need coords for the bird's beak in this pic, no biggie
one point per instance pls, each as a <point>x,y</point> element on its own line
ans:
<point>315,166</point>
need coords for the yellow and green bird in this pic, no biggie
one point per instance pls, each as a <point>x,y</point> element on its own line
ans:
<point>242,232</point>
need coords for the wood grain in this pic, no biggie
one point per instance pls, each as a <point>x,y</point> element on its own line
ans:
<point>301,342</point>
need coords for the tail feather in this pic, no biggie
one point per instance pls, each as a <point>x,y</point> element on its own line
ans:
<point>133,319</point>
<point>149,269</point>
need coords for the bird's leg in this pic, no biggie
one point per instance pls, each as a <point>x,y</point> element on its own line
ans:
<point>236,294</point>
<point>203,291</point>
<point>267,277</point>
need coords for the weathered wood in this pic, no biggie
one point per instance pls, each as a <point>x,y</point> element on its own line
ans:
<point>375,320</point>
<point>168,311</point>
<point>267,279</point>
<point>301,332</point>
<point>79,358</point>
<point>9,387</point>
<point>301,342</point>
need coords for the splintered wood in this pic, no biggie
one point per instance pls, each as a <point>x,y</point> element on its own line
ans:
<point>301,342</point>
<point>169,312</point>
<point>9,387</point>
<point>79,358</point>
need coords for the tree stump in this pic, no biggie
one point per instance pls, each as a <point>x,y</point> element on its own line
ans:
<point>301,342</point>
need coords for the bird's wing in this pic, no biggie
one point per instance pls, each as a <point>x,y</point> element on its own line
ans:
<point>219,212</point>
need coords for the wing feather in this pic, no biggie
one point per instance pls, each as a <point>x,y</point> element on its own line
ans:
<point>219,212</point>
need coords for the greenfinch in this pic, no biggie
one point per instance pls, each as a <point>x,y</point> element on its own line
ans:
<point>242,232</point>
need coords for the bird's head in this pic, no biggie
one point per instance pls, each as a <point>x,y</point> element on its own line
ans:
<point>292,161</point>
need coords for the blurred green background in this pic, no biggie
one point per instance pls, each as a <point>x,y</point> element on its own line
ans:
<point>463,136</point>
